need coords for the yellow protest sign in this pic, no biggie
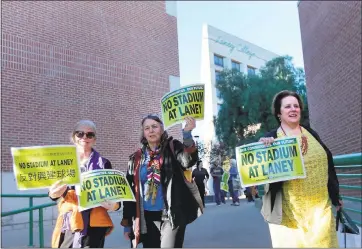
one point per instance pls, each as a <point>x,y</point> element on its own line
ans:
<point>184,102</point>
<point>40,166</point>
<point>282,161</point>
<point>226,175</point>
<point>101,185</point>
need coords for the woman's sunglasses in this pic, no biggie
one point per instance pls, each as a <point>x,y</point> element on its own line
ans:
<point>80,134</point>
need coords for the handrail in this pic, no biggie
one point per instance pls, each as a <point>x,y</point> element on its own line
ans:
<point>347,166</point>
<point>350,187</point>
<point>350,198</point>
<point>23,210</point>
<point>350,175</point>
<point>348,159</point>
<point>30,209</point>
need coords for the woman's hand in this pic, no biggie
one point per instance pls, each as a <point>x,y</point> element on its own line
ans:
<point>266,140</point>
<point>340,205</point>
<point>57,189</point>
<point>110,205</point>
<point>190,124</point>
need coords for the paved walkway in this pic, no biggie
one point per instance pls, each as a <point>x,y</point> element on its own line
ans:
<point>220,226</point>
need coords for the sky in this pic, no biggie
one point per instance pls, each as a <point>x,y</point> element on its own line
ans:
<point>272,25</point>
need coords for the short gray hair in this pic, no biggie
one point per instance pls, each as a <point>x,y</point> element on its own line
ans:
<point>83,123</point>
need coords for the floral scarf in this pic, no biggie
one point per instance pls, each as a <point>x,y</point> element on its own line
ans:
<point>153,173</point>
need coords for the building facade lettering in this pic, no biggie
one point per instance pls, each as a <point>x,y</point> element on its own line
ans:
<point>240,47</point>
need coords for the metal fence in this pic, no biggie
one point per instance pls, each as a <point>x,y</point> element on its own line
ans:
<point>348,161</point>
<point>30,209</point>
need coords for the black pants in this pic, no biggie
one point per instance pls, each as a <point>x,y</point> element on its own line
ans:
<point>94,238</point>
<point>201,188</point>
<point>160,234</point>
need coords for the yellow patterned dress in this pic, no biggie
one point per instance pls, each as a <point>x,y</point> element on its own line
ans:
<point>307,209</point>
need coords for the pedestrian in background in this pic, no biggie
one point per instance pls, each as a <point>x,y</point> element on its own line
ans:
<point>216,172</point>
<point>233,183</point>
<point>200,176</point>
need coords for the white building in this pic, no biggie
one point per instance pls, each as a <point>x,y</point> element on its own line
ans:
<point>221,51</point>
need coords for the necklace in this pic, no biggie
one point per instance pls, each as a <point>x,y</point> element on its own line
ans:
<point>304,145</point>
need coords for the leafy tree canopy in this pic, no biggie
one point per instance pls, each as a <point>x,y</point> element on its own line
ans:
<point>247,100</point>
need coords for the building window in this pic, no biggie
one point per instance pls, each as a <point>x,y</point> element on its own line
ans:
<point>218,93</point>
<point>217,78</point>
<point>235,66</point>
<point>251,70</point>
<point>218,60</point>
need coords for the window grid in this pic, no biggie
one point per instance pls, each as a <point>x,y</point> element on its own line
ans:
<point>235,66</point>
<point>218,60</point>
<point>251,70</point>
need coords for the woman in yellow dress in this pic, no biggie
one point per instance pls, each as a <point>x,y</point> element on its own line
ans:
<point>306,204</point>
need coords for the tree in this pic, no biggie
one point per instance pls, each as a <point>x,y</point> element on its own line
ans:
<point>212,152</point>
<point>247,101</point>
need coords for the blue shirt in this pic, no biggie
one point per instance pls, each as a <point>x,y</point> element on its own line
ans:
<point>147,205</point>
<point>233,171</point>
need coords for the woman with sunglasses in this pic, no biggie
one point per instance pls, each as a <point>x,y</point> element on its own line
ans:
<point>165,201</point>
<point>88,228</point>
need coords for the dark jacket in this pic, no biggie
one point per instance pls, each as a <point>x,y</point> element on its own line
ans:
<point>333,185</point>
<point>186,205</point>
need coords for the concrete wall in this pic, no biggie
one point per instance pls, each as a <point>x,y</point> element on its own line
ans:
<point>231,48</point>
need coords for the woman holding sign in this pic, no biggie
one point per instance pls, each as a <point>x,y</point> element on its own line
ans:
<point>300,211</point>
<point>165,201</point>
<point>88,228</point>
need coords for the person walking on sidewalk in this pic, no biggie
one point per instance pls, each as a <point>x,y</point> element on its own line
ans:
<point>200,175</point>
<point>233,183</point>
<point>299,212</point>
<point>216,173</point>
<point>74,229</point>
<point>165,201</point>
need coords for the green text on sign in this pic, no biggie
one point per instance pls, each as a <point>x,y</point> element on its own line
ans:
<point>281,161</point>
<point>184,102</point>
<point>40,166</point>
<point>101,185</point>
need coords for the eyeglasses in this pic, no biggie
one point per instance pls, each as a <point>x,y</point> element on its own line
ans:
<point>80,134</point>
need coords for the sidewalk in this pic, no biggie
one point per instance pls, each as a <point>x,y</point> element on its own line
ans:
<point>220,226</point>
